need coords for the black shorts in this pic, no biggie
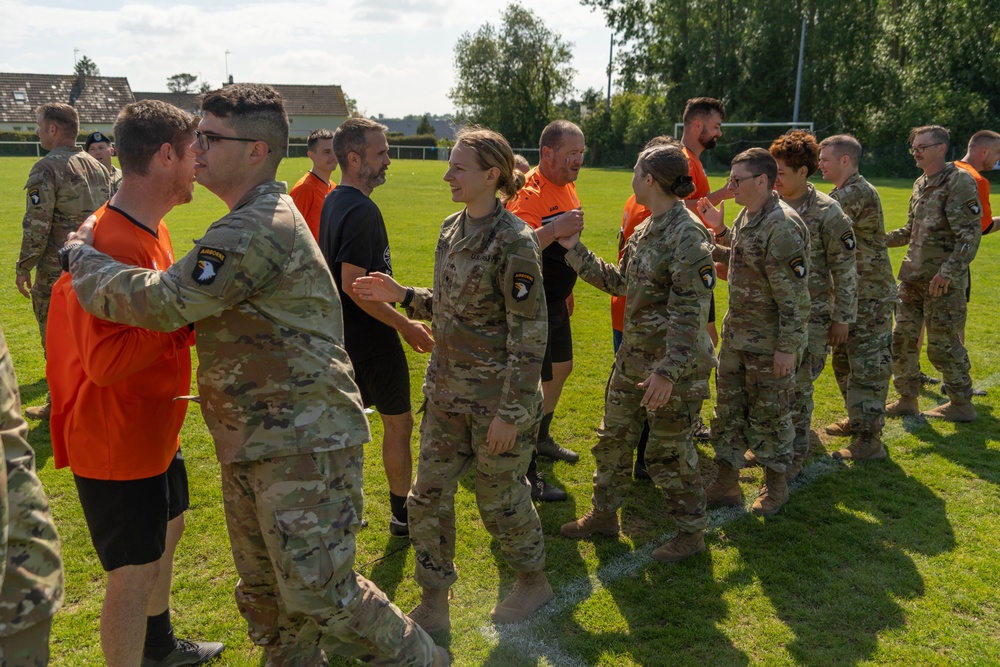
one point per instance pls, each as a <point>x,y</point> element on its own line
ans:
<point>558,348</point>
<point>384,382</point>
<point>711,309</point>
<point>968,287</point>
<point>128,518</point>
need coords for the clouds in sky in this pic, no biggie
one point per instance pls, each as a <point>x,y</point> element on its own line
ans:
<point>393,56</point>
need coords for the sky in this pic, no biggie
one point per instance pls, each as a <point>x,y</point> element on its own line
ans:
<point>395,57</point>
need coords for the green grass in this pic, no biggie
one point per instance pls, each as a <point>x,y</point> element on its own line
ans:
<point>887,563</point>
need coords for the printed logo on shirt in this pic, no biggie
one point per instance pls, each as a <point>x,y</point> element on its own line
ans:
<point>34,196</point>
<point>847,238</point>
<point>798,267</point>
<point>388,260</point>
<point>974,207</point>
<point>707,274</point>
<point>522,285</point>
<point>210,261</point>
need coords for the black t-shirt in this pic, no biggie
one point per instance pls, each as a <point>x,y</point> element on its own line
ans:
<point>352,230</point>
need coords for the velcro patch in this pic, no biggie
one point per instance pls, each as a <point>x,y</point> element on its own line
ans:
<point>35,196</point>
<point>210,261</point>
<point>707,274</point>
<point>847,238</point>
<point>974,207</point>
<point>798,266</point>
<point>523,283</point>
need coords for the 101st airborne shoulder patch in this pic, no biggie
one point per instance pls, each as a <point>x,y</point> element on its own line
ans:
<point>35,196</point>
<point>847,238</point>
<point>707,274</point>
<point>974,207</point>
<point>798,266</point>
<point>523,283</point>
<point>207,268</point>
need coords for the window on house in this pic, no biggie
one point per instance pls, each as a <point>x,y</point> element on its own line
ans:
<point>20,96</point>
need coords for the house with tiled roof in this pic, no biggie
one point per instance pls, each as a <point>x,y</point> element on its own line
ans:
<point>97,99</point>
<point>190,102</point>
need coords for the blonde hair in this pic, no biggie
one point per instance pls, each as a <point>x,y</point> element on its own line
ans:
<point>492,150</point>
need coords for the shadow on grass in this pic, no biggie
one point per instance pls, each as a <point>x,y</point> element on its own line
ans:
<point>967,446</point>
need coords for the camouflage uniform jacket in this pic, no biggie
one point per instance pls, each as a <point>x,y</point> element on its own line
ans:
<point>116,180</point>
<point>487,312</point>
<point>30,557</point>
<point>833,270</point>
<point>274,377</point>
<point>666,275</point>
<point>861,203</point>
<point>768,290</point>
<point>63,188</point>
<point>942,229</point>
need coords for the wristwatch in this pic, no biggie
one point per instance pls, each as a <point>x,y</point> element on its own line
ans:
<point>65,251</point>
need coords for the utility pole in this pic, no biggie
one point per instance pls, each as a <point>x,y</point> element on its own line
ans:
<point>798,79</point>
<point>611,55</point>
<point>75,51</point>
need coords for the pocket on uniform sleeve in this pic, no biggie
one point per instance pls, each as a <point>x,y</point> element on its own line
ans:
<point>317,542</point>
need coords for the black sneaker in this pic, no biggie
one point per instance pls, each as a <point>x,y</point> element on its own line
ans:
<point>553,450</point>
<point>398,528</point>
<point>187,653</point>
<point>927,379</point>
<point>542,490</point>
<point>701,431</point>
<point>639,471</point>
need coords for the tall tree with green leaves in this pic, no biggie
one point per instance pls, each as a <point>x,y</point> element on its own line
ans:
<point>181,83</point>
<point>86,67</point>
<point>511,77</point>
<point>425,126</point>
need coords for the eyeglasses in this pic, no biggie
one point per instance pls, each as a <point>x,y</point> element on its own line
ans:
<point>205,140</point>
<point>735,182</point>
<point>914,150</point>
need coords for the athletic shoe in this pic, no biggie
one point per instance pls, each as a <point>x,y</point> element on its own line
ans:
<point>701,431</point>
<point>553,450</point>
<point>398,528</point>
<point>187,653</point>
<point>927,379</point>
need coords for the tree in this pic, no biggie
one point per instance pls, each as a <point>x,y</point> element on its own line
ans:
<point>352,106</point>
<point>181,83</point>
<point>425,126</point>
<point>86,67</point>
<point>510,77</point>
<point>205,87</point>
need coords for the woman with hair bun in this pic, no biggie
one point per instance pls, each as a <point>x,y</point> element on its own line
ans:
<point>661,369</point>
<point>483,385</point>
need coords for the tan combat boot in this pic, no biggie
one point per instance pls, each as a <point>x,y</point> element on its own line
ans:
<point>679,548</point>
<point>593,522</point>
<point>530,592</point>
<point>773,496</point>
<point>441,658</point>
<point>432,613</point>
<point>864,447</point>
<point>904,406</point>
<point>40,412</point>
<point>953,411</point>
<point>725,490</point>
<point>793,470</point>
<point>840,428</point>
<point>751,460</point>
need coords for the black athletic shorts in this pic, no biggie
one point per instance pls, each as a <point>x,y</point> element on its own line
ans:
<point>384,382</point>
<point>559,348</point>
<point>968,288</point>
<point>128,518</point>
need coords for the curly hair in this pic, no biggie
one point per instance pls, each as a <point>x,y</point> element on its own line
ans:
<point>797,149</point>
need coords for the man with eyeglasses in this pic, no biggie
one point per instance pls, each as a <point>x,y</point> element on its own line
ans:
<point>942,232</point>
<point>766,255</point>
<point>277,393</point>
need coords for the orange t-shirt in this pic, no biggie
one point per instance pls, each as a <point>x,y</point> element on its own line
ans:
<point>697,171</point>
<point>113,413</point>
<point>983,186</point>
<point>309,193</point>
<point>633,215</point>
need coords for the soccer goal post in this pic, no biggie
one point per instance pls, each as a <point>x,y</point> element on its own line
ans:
<point>737,137</point>
<point>807,124</point>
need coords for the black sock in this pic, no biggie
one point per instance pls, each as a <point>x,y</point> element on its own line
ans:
<point>532,467</point>
<point>398,505</point>
<point>160,639</point>
<point>543,427</point>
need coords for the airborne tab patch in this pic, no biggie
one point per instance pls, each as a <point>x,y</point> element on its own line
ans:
<point>707,274</point>
<point>798,267</point>
<point>522,285</point>
<point>210,261</point>
<point>974,207</point>
<point>847,238</point>
<point>34,196</point>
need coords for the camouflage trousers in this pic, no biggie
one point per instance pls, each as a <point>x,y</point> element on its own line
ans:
<point>753,410</point>
<point>808,370</point>
<point>944,318</point>
<point>41,296</point>
<point>450,444</point>
<point>863,365</point>
<point>292,523</point>
<point>671,456</point>
<point>28,647</point>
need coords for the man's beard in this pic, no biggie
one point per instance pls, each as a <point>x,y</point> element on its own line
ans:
<point>371,177</point>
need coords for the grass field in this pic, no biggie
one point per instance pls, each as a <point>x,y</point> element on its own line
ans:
<point>886,563</point>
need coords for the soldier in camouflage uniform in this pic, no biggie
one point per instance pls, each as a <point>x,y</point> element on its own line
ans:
<point>98,145</point>
<point>483,383</point>
<point>277,394</point>
<point>764,333</point>
<point>833,274</point>
<point>63,188</point>
<point>30,559</point>
<point>943,232</point>
<point>661,370</point>
<point>863,363</point>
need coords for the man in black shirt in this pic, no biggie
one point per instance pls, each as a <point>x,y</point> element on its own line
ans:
<point>354,241</point>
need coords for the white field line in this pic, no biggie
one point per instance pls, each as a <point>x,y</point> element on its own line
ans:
<point>527,637</point>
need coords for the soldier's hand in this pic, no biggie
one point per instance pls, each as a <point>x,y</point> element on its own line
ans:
<point>658,390</point>
<point>569,242</point>
<point>939,285</point>
<point>84,232</point>
<point>23,282</point>
<point>714,217</point>
<point>418,336</point>
<point>500,437</point>
<point>784,362</point>
<point>838,333</point>
<point>378,286</point>
<point>722,271</point>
